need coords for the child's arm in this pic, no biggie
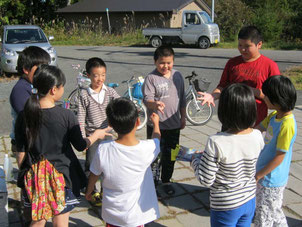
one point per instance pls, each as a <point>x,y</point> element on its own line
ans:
<point>82,115</point>
<point>155,105</point>
<point>156,131</point>
<point>183,118</point>
<point>20,158</point>
<point>90,187</point>
<point>274,163</point>
<point>258,93</point>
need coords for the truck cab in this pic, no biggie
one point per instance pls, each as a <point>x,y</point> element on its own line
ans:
<point>196,28</point>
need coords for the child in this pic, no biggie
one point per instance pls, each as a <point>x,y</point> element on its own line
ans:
<point>164,94</point>
<point>228,164</point>
<point>44,130</point>
<point>92,106</point>
<point>274,160</point>
<point>251,68</point>
<point>129,197</point>
<point>28,61</point>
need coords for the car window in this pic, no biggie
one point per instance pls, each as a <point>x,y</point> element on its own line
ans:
<point>192,18</point>
<point>205,17</point>
<point>25,36</point>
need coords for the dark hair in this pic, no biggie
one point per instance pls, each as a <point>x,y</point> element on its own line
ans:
<point>93,63</point>
<point>122,115</point>
<point>250,33</point>
<point>45,78</point>
<point>163,51</point>
<point>31,56</point>
<point>237,107</point>
<point>281,91</point>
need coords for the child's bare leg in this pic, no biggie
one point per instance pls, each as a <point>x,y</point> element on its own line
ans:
<point>61,220</point>
<point>40,223</point>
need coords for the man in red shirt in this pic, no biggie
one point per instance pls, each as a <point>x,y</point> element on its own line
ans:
<point>251,68</point>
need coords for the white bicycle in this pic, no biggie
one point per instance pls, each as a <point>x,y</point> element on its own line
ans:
<point>196,113</point>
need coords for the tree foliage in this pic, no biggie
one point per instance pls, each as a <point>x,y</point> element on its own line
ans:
<point>231,15</point>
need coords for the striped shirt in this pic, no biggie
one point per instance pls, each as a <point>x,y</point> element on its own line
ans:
<point>91,114</point>
<point>228,168</point>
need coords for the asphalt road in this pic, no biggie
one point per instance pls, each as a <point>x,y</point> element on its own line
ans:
<point>123,62</point>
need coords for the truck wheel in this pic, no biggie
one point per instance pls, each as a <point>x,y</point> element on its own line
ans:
<point>156,41</point>
<point>204,43</point>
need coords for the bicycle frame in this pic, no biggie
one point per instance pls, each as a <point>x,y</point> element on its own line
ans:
<point>191,94</point>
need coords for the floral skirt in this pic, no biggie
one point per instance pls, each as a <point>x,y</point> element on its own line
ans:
<point>70,201</point>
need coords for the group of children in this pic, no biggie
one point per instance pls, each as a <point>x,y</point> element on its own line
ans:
<point>243,171</point>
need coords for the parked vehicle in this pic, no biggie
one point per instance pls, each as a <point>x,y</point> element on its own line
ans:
<point>197,28</point>
<point>15,38</point>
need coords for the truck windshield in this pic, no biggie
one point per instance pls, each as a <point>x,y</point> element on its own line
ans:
<point>205,17</point>
<point>25,36</point>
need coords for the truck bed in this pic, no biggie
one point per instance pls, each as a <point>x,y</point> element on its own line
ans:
<point>162,31</point>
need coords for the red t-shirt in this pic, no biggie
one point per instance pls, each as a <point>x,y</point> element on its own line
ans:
<point>252,74</point>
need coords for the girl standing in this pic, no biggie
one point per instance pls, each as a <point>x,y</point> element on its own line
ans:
<point>44,134</point>
<point>227,166</point>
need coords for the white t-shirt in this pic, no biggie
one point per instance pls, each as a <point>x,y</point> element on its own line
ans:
<point>129,197</point>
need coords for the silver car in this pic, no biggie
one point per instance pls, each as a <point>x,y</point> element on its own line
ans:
<point>18,37</point>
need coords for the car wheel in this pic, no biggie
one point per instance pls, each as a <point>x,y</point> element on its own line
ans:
<point>204,43</point>
<point>156,41</point>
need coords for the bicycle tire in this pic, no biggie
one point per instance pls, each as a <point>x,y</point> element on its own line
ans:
<point>142,114</point>
<point>73,99</point>
<point>198,117</point>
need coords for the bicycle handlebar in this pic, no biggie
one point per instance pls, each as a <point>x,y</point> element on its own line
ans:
<point>128,81</point>
<point>191,76</point>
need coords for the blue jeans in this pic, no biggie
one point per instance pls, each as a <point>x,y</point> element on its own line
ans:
<point>239,217</point>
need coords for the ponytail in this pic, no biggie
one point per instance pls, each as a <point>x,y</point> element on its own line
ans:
<point>45,78</point>
<point>33,119</point>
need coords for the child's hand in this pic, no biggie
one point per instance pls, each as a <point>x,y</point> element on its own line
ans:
<point>154,118</point>
<point>88,196</point>
<point>206,98</point>
<point>257,177</point>
<point>101,133</point>
<point>160,106</point>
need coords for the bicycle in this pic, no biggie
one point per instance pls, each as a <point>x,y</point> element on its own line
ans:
<point>137,99</point>
<point>196,113</point>
<point>83,82</point>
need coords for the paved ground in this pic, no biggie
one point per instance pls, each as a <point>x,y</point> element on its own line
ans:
<point>190,205</point>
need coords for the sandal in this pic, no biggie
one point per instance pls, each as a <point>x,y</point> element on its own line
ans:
<point>169,189</point>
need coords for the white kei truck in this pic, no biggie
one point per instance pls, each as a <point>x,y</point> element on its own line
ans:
<point>197,28</point>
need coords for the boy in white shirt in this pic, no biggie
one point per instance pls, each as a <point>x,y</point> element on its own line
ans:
<point>129,197</point>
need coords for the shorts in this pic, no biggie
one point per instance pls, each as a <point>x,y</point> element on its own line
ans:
<point>70,201</point>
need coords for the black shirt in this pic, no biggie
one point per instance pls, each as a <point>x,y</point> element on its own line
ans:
<point>59,129</point>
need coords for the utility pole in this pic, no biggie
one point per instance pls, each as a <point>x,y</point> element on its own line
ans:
<point>107,10</point>
<point>213,6</point>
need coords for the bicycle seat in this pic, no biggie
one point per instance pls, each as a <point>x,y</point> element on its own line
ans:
<point>113,85</point>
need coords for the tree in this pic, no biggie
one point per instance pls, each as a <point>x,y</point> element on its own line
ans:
<point>270,17</point>
<point>231,16</point>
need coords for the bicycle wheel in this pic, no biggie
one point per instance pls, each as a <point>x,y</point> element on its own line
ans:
<point>198,114</point>
<point>142,114</point>
<point>73,99</point>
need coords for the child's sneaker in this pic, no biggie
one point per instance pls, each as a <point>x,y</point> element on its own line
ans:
<point>96,199</point>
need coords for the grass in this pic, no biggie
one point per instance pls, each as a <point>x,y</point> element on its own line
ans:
<point>295,74</point>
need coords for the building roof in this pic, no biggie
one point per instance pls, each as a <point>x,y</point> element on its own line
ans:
<point>93,6</point>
